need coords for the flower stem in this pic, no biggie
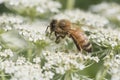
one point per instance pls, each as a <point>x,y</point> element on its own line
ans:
<point>2,75</point>
<point>29,54</point>
<point>101,74</point>
<point>70,4</point>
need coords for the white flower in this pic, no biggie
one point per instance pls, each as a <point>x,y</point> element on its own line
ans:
<point>37,60</point>
<point>114,67</point>
<point>10,19</point>
<point>110,10</point>
<point>8,66</point>
<point>37,6</point>
<point>20,61</point>
<point>105,37</point>
<point>6,53</point>
<point>60,70</point>
<point>62,62</point>
<point>80,66</point>
<point>47,75</point>
<point>32,32</point>
<point>21,69</point>
<point>106,8</point>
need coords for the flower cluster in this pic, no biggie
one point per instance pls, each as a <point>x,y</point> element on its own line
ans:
<point>36,7</point>
<point>106,8</point>
<point>7,21</point>
<point>6,53</point>
<point>31,31</point>
<point>114,66</point>
<point>109,10</point>
<point>105,37</point>
<point>61,62</point>
<point>83,18</point>
<point>21,69</point>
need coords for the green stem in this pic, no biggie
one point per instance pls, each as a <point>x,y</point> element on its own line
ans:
<point>70,4</point>
<point>29,54</point>
<point>68,76</point>
<point>101,74</point>
<point>2,75</point>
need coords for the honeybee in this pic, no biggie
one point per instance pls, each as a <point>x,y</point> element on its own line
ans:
<point>62,27</point>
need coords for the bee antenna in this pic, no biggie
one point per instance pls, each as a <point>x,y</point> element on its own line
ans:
<point>47,28</point>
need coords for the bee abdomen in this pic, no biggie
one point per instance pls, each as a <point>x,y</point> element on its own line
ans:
<point>87,46</point>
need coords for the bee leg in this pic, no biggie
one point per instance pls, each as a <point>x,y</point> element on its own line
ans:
<point>63,36</point>
<point>47,28</point>
<point>50,33</point>
<point>47,33</point>
<point>81,51</point>
<point>69,35</point>
<point>57,39</point>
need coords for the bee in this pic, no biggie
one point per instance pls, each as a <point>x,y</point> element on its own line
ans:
<point>63,27</point>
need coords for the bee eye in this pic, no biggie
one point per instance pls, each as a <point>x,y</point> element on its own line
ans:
<point>53,23</point>
<point>62,24</point>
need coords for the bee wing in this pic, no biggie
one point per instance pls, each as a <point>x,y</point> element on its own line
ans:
<point>76,27</point>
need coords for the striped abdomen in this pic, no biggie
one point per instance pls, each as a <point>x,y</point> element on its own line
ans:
<point>81,41</point>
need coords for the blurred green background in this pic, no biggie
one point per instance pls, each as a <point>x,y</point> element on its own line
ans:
<point>83,4</point>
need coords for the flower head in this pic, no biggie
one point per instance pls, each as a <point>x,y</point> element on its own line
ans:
<point>21,69</point>
<point>105,37</point>
<point>36,7</point>
<point>32,32</point>
<point>62,62</point>
<point>110,10</point>
<point>114,66</point>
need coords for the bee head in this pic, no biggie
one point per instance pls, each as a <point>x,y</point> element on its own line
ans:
<point>53,24</point>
